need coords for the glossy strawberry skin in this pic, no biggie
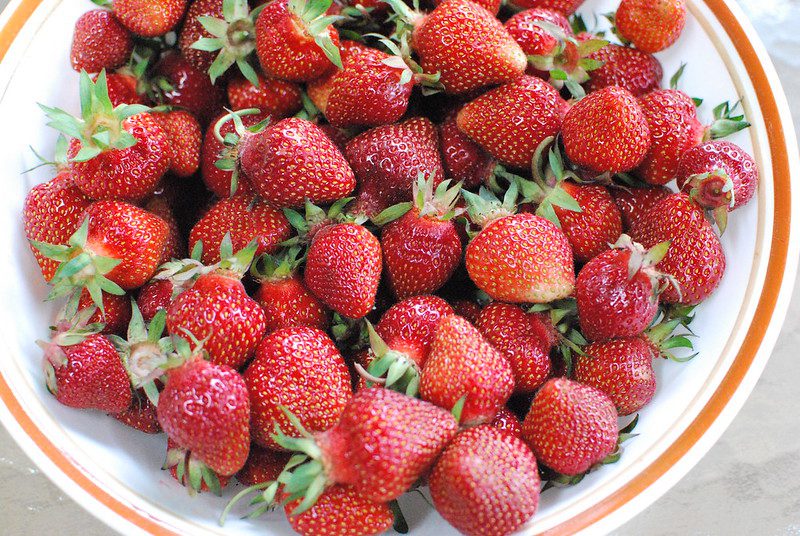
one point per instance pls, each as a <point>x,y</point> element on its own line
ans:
<point>219,180</point>
<point>125,174</point>
<point>262,465</point>
<point>384,442</point>
<point>343,268</point>
<point>672,117</point>
<point>149,18</point>
<point>492,6</point>
<point>300,369</point>
<point>154,296</point>
<point>185,139</point>
<point>567,7</point>
<point>632,69</point>
<point>486,483</point>
<point>294,160</point>
<point>245,217</point>
<point>204,408</point>
<point>285,50</point>
<point>522,259</point>
<point>192,30</point>
<point>218,307</point>
<point>274,97</point>
<point>409,326</point>
<point>117,312</point>
<point>570,426</point>
<point>341,510</point>
<point>123,89</point>
<point>100,42</point>
<point>191,88</point>
<point>695,257</point>
<point>533,39</point>
<point>387,160</point>
<point>610,303</point>
<point>288,303</point>
<point>468,46</point>
<point>651,25</point>
<point>523,338</point>
<point>141,415</point>
<point>53,211</point>
<point>721,155</point>
<point>464,160</point>
<point>511,121</point>
<point>622,369</point>
<point>633,203</point>
<point>597,225</point>
<point>507,422</point>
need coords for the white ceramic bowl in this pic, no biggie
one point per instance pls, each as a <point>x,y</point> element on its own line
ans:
<point>114,472</point>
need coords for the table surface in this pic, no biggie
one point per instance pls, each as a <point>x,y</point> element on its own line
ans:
<point>748,483</point>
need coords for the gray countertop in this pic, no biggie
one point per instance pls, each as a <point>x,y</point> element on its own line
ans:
<point>749,483</point>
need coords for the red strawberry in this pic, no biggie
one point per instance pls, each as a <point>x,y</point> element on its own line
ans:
<point>185,138</point>
<point>606,131</point>
<point>141,415</point>
<point>244,217</point>
<point>422,248</point>
<point>341,510</point>
<point>567,7</point>
<point>695,257</point>
<point>301,370</point>
<point>672,118</point>
<point>263,465</point>
<point>176,245</point>
<point>464,160</point>
<point>492,6</point>
<point>219,180</point>
<point>193,30</point>
<point>633,203</point>
<point>486,483</point>
<point>100,42</point>
<point>115,315</point>
<point>512,121</point>
<point>150,18</point>
<point>155,296</point>
<point>523,338</point>
<point>296,41</point>
<point>343,268</point>
<point>629,68</point>
<point>180,84</point>
<point>622,369</point>
<point>367,91</point>
<point>53,211</point>
<point>182,458</point>
<point>123,88</point>
<point>534,39</point>
<point>651,25</point>
<point>507,422</point>
<point>468,309</point>
<point>275,98</point>
<point>462,363</point>
<point>570,427</point>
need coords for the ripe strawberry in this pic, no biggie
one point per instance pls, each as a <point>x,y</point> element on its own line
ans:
<point>343,268</point>
<point>492,6</point>
<point>115,314</point>
<point>511,121</point>
<point>629,68</point>
<point>263,465</point>
<point>296,41</point>
<point>155,296</point>
<point>523,338</point>
<point>422,248</point>
<point>651,25</point>
<point>595,226</point>
<point>606,131</point>
<point>534,39</point>
<point>464,160</point>
<point>462,363</point>
<point>301,370</point>
<point>243,217</point>
<point>486,483</point>
<point>507,422</point>
<point>100,42</point>
<point>695,257</point>
<point>468,309</point>
<point>570,426</point>
<point>178,83</point>
<point>185,138</point>
<point>221,181</point>
<point>123,88</point>
<point>567,7</point>
<point>141,415</point>
<point>176,246</point>
<point>341,510</point>
<point>465,44</point>
<point>275,98</point>
<point>622,369</point>
<point>672,117</point>
<point>150,18</point>
<point>387,161</point>
<point>633,203</point>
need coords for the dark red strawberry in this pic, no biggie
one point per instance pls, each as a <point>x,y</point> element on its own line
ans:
<point>651,25</point>
<point>179,83</point>
<point>633,203</point>
<point>150,18</point>
<point>468,309</point>
<point>115,314</point>
<point>185,139</point>
<point>176,245</point>
<point>141,415</point>
<point>155,296</point>
<point>123,88</point>
<point>100,42</point>
<point>343,511</point>
<point>597,224</point>
<point>263,465</point>
<point>629,68</point>
<point>464,160</point>
<point>219,180</point>
<point>507,422</point>
<point>274,97</point>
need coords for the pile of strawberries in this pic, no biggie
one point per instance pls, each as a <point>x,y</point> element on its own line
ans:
<point>344,251</point>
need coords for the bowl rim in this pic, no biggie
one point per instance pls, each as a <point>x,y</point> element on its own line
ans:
<point>683,453</point>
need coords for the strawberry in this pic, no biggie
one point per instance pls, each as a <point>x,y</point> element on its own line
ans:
<point>523,338</point>
<point>533,38</point>
<point>243,217</point>
<point>155,296</point>
<point>301,370</point>
<point>223,182</point>
<point>208,481</point>
<point>468,309</point>
<point>606,131</point>
<point>651,25</point>
<point>176,245</point>
<point>462,363</point>
<point>178,83</point>
<point>570,426</point>
<point>492,6</point>
<point>511,121</point>
<point>341,510</point>
<point>622,369</point>
<point>185,138</point>
<point>695,257</point>
<point>422,249</point>
<point>123,88</point>
<point>567,7</point>
<point>486,483</point>
<point>633,203</point>
<point>115,314</point>
<point>672,117</point>
<point>263,465</point>
<point>464,43</point>
<point>150,18</point>
<point>343,268</point>
<point>100,42</point>
<point>387,161</point>
<point>464,160</point>
<point>274,97</point>
<point>296,41</point>
<point>368,91</point>
<point>629,68</point>
<point>507,422</point>
<point>141,415</point>
<point>617,291</point>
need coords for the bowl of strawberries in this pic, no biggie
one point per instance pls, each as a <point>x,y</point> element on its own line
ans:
<point>368,266</point>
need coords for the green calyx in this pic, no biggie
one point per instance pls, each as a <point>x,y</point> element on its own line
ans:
<point>233,37</point>
<point>100,126</point>
<point>670,331</point>
<point>315,218</point>
<point>563,316</point>
<point>79,269</point>
<point>229,156</point>
<point>183,272</point>
<point>235,264</point>
<point>277,267</point>
<point>312,14</point>
<point>440,202</point>
<point>714,192</point>
<point>59,163</point>
<point>727,121</point>
<point>390,368</point>
<point>405,17</point>
<point>645,261</point>
<point>191,472</point>
<point>485,207</point>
